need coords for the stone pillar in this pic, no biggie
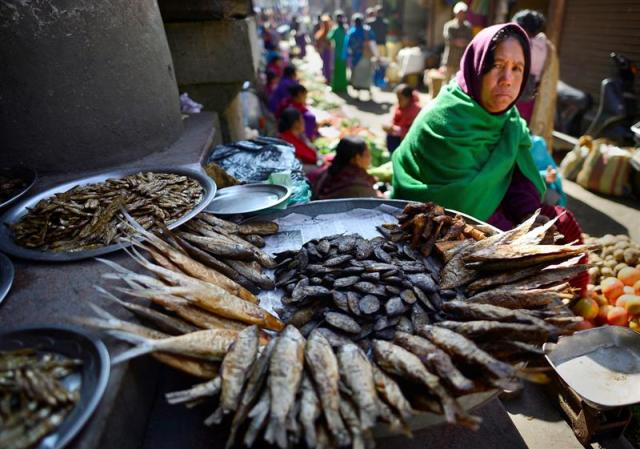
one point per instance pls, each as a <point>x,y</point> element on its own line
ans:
<point>84,84</point>
<point>213,57</point>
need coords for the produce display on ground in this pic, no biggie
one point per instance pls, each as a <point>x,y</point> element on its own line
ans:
<point>33,399</point>
<point>89,216</point>
<point>377,331</point>
<point>10,186</point>
<point>614,294</point>
<point>337,125</point>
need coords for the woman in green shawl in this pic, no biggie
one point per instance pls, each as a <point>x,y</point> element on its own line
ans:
<point>466,148</point>
<point>337,35</point>
<point>469,150</point>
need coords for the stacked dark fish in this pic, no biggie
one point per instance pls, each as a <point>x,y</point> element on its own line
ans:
<point>89,216</point>
<point>33,399</point>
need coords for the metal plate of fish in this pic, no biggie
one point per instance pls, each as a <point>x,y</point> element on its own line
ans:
<point>14,183</point>
<point>248,198</point>
<point>602,365</point>
<point>90,379</point>
<point>13,215</point>
<point>7,272</point>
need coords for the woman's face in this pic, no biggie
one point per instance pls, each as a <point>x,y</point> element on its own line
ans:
<point>501,85</point>
<point>298,126</point>
<point>362,160</point>
<point>403,101</point>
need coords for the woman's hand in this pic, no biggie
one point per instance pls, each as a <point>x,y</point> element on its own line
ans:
<point>551,175</point>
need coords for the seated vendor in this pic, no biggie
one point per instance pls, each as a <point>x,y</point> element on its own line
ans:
<point>281,92</point>
<point>291,130</point>
<point>298,100</point>
<point>469,150</point>
<point>347,176</point>
<point>404,113</point>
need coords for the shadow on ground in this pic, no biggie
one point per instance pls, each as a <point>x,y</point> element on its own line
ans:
<point>592,221</point>
<point>366,102</point>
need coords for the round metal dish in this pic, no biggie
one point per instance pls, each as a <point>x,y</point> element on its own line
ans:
<point>91,379</point>
<point>7,272</point>
<point>315,208</point>
<point>29,175</point>
<point>8,245</point>
<point>248,198</point>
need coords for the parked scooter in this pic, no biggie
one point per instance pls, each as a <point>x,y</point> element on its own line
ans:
<point>617,105</point>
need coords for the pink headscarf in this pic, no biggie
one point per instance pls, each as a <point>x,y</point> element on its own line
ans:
<point>469,77</point>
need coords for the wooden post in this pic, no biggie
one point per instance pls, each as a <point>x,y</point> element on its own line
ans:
<point>556,19</point>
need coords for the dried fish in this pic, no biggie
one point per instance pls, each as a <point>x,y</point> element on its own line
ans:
<point>369,304</point>
<point>461,347</point>
<point>210,344</point>
<point>481,330</point>
<point>342,322</point>
<point>88,216</point>
<point>323,367</point>
<point>357,373</point>
<point>345,282</point>
<point>516,299</point>
<point>399,361</point>
<point>235,367</point>
<point>285,374</point>
<point>309,411</point>
<point>395,306</point>
<point>436,360</point>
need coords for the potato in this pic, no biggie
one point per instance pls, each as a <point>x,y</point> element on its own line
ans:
<point>631,256</point>
<point>607,240</point>
<point>606,272</point>
<point>623,237</point>
<point>619,267</point>
<point>621,244</point>
<point>610,263</point>
<point>594,274</point>
<point>618,255</point>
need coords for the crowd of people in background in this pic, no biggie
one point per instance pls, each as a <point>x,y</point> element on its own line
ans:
<point>350,49</point>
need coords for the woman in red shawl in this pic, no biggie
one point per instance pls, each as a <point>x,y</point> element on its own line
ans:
<point>291,130</point>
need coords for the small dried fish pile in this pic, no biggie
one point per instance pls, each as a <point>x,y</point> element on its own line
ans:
<point>33,399</point>
<point>10,186</point>
<point>199,311</point>
<point>89,216</point>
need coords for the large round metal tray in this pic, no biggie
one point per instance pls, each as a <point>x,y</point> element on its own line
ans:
<point>315,208</point>
<point>7,272</point>
<point>8,245</point>
<point>91,379</point>
<point>29,175</point>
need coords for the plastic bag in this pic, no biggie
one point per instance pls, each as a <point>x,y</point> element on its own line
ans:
<point>255,160</point>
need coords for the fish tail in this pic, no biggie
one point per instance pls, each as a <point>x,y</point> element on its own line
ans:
<point>145,346</point>
<point>276,432</point>
<point>215,417</point>
<point>110,296</point>
<point>111,264</point>
<point>310,435</point>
